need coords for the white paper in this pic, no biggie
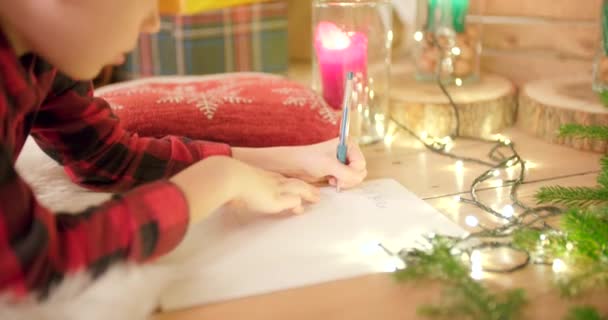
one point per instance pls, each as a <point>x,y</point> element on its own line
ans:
<point>335,239</point>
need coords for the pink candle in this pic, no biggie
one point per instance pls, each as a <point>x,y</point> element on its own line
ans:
<point>337,53</point>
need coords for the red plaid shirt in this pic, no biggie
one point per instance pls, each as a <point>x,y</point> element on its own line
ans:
<point>38,247</point>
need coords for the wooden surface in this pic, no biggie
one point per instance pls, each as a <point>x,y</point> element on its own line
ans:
<point>434,179</point>
<point>485,107</point>
<point>555,9</point>
<point>528,40</point>
<point>545,105</point>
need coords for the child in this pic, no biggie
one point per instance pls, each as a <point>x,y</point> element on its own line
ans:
<point>44,44</point>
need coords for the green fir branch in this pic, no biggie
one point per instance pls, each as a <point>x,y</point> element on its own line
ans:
<point>581,131</point>
<point>587,230</point>
<point>529,240</point>
<point>464,298</point>
<point>572,196</point>
<point>582,244</point>
<point>584,313</point>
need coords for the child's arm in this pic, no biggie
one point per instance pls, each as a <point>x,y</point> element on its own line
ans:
<point>38,247</point>
<point>81,133</point>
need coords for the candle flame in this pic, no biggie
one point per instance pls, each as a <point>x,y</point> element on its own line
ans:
<point>332,37</point>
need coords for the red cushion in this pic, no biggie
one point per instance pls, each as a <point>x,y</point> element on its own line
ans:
<point>242,109</point>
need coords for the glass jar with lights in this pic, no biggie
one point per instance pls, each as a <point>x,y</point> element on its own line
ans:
<point>447,41</point>
<point>356,36</point>
<point>600,64</point>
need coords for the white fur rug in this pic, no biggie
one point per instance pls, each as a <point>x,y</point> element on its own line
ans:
<point>124,292</point>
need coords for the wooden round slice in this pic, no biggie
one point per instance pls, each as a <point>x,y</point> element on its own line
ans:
<point>545,105</point>
<point>484,107</point>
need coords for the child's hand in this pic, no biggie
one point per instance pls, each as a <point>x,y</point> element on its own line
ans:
<point>209,184</point>
<point>268,192</point>
<point>319,162</point>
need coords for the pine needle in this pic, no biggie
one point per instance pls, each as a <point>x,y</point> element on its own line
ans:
<point>580,131</point>
<point>580,197</point>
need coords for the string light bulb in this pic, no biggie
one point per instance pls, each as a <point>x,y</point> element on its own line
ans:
<point>508,211</point>
<point>393,263</point>
<point>456,51</point>
<point>496,173</point>
<point>569,246</point>
<point>458,82</point>
<point>558,266</point>
<point>459,165</point>
<point>471,221</point>
<point>418,36</point>
<point>476,267</point>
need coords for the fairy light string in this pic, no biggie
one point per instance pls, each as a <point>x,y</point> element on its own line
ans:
<point>502,155</point>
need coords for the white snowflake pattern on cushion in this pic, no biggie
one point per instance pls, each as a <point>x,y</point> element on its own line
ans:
<point>300,98</point>
<point>208,101</point>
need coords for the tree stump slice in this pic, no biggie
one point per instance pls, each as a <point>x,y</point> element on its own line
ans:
<point>484,108</point>
<point>546,105</point>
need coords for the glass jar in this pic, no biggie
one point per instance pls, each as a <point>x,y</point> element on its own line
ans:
<point>600,64</point>
<point>354,35</point>
<point>446,45</point>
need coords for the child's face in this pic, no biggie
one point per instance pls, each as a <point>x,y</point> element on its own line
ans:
<point>80,36</point>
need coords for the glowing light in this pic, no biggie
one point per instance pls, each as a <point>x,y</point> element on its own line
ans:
<point>530,165</point>
<point>543,237</point>
<point>393,264</point>
<point>456,51</point>
<point>457,198</point>
<point>459,165</point>
<point>371,94</point>
<point>458,82</point>
<point>418,36</point>
<point>471,221</point>
<point>388,139</point>
<point>476,267</point>
<point>569,246</point>
<point>371,248</point>
<point>507,141</point>
<point>496,173</point>
<point>498,183</point>
<point>510,163</point>
<point>424,135</point>
<point>449,146</point>
<point>558,266</point>
<point>508,211</point>
<point>332,37</point>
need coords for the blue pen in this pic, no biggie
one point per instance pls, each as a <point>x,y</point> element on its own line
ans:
<point>342,148</point>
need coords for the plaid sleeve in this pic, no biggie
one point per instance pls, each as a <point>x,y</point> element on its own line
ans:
<point>81,132</point>
<point>38,247</point>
